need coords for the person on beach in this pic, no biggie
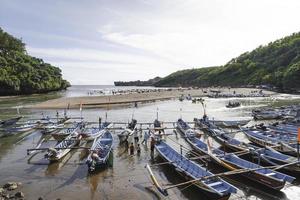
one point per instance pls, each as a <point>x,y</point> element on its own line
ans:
<point>126,144</point>
<point>138,149</point>
<point>131,149</point>
<point>136,137</point>
<point>141,132</point>
<point>100,120</point>
<point>146,137</point>
<point>152,145</point>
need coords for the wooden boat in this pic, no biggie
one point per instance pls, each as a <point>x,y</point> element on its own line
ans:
<point>230,123</point>
<point>267,177</point>
<point>64,133</point>
<point>100,150</point>
<point>266,114</point>
<point>267,155</point>
<point>9,122</point>
<point>20,129</point>
<point>63,147</point>
<point>94,132</point>
<point>50,127</point>
<point>215,187</point>
<point>284,144</point>
<point>157,126</point>
<point>273,157</point>
<point>128,132</point>
<point>185,128</point>
<point>233,104</point>
<point>232,144</point>
<point>285,128</point>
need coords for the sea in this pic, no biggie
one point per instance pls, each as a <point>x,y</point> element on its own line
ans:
<point>126,176</point>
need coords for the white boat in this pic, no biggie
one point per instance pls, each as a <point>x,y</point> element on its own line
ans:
<point>128,132</point>
<point>63,148</point>
<point>90,134</point>
<point>230,123</point>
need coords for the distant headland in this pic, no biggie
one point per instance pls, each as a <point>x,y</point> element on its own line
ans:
<point>149,82</point>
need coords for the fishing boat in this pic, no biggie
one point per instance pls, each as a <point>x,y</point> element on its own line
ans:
<point>90,134</point>
<point>233,104</point>
<point>52,128</point>
<point>49,126</point>
<point>65,132</point>
<point>230,123</point>
<point>63,147</point>
<point>275,158</point>
<point>266,114</point>
<point>232,144</point>
<point>280,142</point>
<point>185,128</point>
<point>285,128</point>
<point>266,154</point>
<point>20,129</point>
<point>128,132</point>
<point>267,177</point>
<point>100,151</point>
<point>9,122</point>
<point>215,186</point>
<point>157,125</point>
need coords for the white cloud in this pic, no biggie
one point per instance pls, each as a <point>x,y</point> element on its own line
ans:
<point>141,39</point>
<point>207,33</point>
<point>101,67</point>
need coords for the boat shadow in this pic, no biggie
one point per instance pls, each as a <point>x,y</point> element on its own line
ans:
<point>98,177</point>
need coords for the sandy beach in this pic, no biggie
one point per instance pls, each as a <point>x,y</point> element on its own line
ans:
<point>129,99</point>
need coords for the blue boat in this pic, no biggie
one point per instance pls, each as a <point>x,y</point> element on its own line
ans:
<point>99,152</point>
<point>285,128</point>
<point>267,155</point>
<point>282,143</point>
<point>184,127</point>
<point>275,158</point>
<point>267,177</point>
<point>9,122</point>
<point>90,133</point>
<point>214,186</point>
<point>64,133</point>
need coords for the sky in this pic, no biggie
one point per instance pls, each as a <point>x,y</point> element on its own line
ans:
<point>101,41</point>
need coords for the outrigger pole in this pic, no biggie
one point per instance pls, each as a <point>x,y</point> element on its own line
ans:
<point>155,182</point>
<point>44,149</point>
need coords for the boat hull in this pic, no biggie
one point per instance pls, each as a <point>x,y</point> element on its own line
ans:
<point>102,147</point>
<point>259,178</point>
<point>198,184</point>
<point>63,153</point>
<point>264,180</point>
<point>279,147</point>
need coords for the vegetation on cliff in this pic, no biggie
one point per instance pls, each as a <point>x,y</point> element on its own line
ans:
<point>276,64</point>
<point>24,74</point>
<point>150,82</point>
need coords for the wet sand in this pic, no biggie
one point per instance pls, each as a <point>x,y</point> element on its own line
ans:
<point>129,99</point>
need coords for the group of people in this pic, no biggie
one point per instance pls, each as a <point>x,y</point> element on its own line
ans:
<point>147,135</point>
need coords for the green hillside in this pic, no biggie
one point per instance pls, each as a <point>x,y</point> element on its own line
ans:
<point>276,64</point>
<point>24,74</point>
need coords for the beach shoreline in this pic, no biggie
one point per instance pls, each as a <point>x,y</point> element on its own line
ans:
<point>130,99</point>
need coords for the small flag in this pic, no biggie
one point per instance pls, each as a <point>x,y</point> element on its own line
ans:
<point>80,106</point>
